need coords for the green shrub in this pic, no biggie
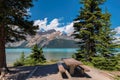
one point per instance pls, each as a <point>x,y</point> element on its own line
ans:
<point>30,62</point>
<point>20,61</point>
<point>105,63</point>
<point>117,78</point>
<point>79,56</point>
<point>35,58</point>
<point>118,59</point>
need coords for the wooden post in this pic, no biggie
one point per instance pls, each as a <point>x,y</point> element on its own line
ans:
<point>72,67</point>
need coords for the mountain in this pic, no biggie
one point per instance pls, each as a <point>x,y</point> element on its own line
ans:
<point>48,39</point>
<point>61,43</point>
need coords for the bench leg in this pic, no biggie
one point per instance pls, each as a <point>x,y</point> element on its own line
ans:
<point>72,69</point>
<point>82,71</point>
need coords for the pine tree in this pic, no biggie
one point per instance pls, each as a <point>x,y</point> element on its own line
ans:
<point>14,24</point>
<point>37,54</point>
<point>105,38</point>
<point>90,27</point>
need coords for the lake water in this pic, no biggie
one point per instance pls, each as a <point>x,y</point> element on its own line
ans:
<point>50,53</point>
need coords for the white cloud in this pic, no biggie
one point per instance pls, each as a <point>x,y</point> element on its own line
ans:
<point>54,24</point>
<point>69,29</point>
<point>41,24</point>
<point>117,36</point>
<point>117,29</point>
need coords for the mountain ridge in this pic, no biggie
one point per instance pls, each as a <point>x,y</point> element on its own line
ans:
<point>48,39</point>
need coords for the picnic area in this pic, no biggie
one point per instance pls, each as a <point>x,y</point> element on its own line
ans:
<point>65,69</point>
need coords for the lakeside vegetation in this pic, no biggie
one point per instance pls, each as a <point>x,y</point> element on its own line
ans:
<point>92,28</point>
<point>110,64</point>
<point>35,58</point>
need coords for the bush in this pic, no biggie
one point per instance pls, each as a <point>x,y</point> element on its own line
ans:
<point>79,56</point>
<point>117,78</point>
<point>105,63</point>
<point>20,61</point>
<point>30,62</point>
<point>118,59</point>
<point>35,58</point>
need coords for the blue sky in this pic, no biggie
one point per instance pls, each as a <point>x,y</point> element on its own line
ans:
<point>114,9</point>
<point>64,11</point>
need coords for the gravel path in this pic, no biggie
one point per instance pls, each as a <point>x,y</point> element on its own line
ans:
<point>98,75</point>
<point>19,73</point>
<point>50,72</point>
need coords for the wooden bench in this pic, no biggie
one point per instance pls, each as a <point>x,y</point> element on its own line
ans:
<point>85,68</point>
<point>61,68</point>
<point>82,69</point>
<point>63,71</point>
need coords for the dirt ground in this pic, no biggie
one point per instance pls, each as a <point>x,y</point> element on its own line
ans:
<point>50,72</point>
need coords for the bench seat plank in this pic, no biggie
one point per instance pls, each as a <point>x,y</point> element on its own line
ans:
<point>61,68</point>
<point>85,68</point>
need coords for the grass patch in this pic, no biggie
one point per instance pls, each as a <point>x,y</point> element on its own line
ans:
<point>88,63</point>
<point>117,77</point>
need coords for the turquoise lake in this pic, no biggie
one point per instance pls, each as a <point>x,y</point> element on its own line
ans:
<point>50,53</point>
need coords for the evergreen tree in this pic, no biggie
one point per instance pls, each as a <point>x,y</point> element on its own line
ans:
<point>37,54</point>
<point>106,47</point>
<point>14,24</point>
<point>92,27</point>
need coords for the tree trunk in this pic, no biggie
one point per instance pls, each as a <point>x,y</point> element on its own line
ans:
<point>2,49</point>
